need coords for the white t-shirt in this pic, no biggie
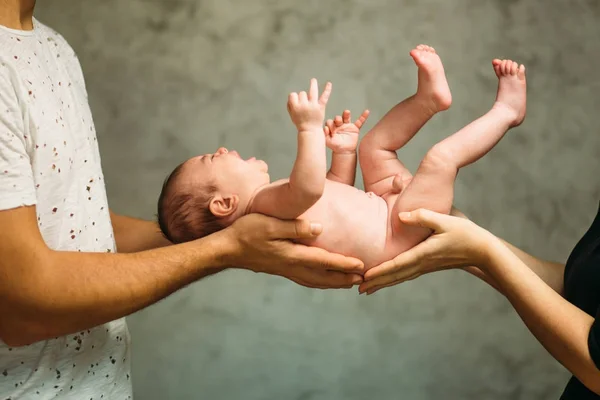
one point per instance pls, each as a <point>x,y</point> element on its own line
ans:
<point>49,158</point>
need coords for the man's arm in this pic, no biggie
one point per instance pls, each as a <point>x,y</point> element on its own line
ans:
<point>46,293</point>
<point>550,272</point>
<point>132,234</point>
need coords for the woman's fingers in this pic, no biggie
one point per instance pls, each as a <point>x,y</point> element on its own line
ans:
<point>410,258</point>
<point>389,279</point>
<point>374,289</point>
<point>424,218</point>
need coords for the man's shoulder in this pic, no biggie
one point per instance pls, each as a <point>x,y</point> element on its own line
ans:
<point>51,35</point>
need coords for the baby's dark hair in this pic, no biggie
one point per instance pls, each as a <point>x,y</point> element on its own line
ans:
<point>183,210</point>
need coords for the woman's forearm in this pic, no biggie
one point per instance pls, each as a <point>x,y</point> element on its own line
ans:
<point>561,327</point>
<point>551,273</point>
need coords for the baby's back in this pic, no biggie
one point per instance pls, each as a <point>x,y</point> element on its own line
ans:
<point>355,223</point>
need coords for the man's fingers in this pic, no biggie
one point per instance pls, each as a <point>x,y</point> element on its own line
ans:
<point>306,256</point>
<point>328,279</point>
<point>311,257</point>
<point>319,259</point>
<point>323,279</point>
<point>296,229</point>
<point>326,93</point>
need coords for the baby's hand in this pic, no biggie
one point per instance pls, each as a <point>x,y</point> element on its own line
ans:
<point>341,135</point>
<point>308,111</point>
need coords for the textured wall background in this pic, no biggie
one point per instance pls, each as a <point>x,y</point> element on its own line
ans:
<point>169,79</point>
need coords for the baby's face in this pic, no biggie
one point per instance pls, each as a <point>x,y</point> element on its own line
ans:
<point>231,173</point>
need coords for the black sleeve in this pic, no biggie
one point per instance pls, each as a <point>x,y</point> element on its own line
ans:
<point>594,340</point>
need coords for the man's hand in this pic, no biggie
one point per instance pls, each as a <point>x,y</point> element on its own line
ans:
<point>341,134</point>
<point>262,244</point>
<point>308,110</point>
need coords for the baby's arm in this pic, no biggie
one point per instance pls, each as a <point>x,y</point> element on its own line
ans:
<point>290,199</point>
<point>342,138</point>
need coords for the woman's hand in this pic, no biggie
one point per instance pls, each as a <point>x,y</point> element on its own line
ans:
<point>262,244</point>
<point>455,243</point>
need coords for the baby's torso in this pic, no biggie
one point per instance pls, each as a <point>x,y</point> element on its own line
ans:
<point>355,224</point>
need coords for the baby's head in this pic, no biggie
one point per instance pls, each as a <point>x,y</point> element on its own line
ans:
<point>208,193</point>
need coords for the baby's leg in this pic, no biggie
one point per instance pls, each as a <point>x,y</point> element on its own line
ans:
<point>378,159</point>
<point>432,187</point>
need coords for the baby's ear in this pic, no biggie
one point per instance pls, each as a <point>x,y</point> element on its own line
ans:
<point>224,206</point>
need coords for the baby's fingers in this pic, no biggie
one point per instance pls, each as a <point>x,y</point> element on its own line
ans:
<point>361,120</point>
<point>338,121</point>
<point>303,97</point>
<point>293,99</point>
<point>326,93</point>
<point>314,90</point>
<point>346,116</point>
<point>330,127</point>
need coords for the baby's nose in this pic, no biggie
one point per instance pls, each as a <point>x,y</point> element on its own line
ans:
<point>222,150</point>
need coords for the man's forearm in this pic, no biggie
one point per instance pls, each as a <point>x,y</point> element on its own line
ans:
<point>343,168</point>
<point>132,234</point>
<point>69,291</point>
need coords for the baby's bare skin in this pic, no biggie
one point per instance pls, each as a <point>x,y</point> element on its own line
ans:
<point>365,224</point>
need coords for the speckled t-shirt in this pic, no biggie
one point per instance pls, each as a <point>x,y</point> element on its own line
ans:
<point>49,158</point>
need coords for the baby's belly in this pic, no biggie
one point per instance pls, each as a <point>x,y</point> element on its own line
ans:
<point>355,223</point>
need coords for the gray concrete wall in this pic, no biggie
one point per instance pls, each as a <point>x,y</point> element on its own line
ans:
<point>171,79</point>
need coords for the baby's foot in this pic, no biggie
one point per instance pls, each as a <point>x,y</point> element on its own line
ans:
<point>433,86</point>
<point>512,90</point>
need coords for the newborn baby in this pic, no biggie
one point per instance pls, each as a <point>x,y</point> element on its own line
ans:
<point>209,192</point>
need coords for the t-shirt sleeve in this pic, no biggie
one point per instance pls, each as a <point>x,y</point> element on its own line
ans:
<point>594,340</point>
<point>17,186</point>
